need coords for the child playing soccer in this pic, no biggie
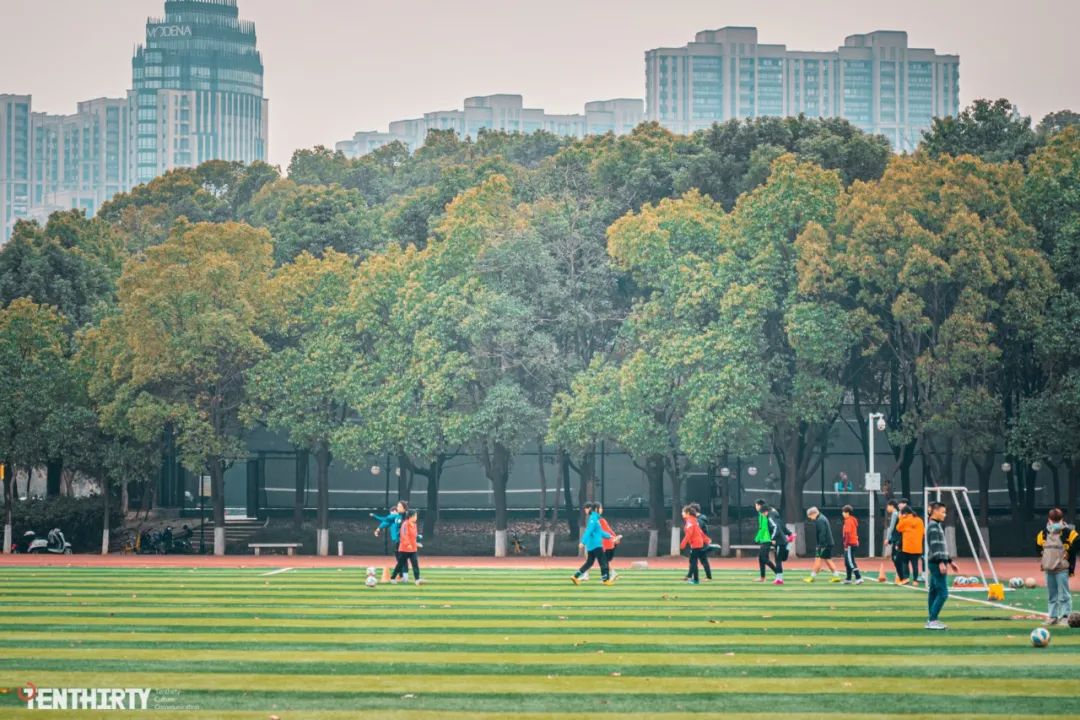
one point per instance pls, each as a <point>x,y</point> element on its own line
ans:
<point>1057,546</point>
<point>850,537</point>
<point>703,523</point>
<point>823,546</point>
<point>407,550</point>
<point>912,530</point>
<point>610,542</point>
<point>695,539</point>
<point>593,542</point>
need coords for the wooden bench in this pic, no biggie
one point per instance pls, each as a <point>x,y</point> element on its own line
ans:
<point>290,548</point>
<point>740,548</point>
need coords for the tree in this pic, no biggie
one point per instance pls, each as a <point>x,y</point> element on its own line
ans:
<point>1055,122</point>
<point>297,387</point>
<point>71,264</point>
<point>187,332</point>
<point>313,219</point>
<point>318,166</point>
<point>1048,424</point>
<point>938,256</point>
<point>993,130</point>
<point>33,370</point>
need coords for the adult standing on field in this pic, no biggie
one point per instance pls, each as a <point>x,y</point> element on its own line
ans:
<point>823,545</point>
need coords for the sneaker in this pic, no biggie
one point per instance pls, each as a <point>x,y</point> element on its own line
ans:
<point>609,581</point>
<point>693,582</point>
<point>708,579</point>
<point>808,579</point>
<point>846,582</point>
<point>419,581</point>
<point>915,584</point>
<point>777,581</point>
<point>836,579</point>
<point>904,581</point>
<point>584,576</point>
<point>614,575</point>
<point>936,625</point>
<point>393,581</point>
<point>575,579</point>
<point>922,577</point>
<point>859,581</point>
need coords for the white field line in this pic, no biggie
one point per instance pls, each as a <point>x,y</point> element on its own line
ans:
<point>275,572</point>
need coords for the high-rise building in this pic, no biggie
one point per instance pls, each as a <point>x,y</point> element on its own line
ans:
<point>16,158</point>
<point>503,112</point>
<point>875,81</point>
<point>197,90</point>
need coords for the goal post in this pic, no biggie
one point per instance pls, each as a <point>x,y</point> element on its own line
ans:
<point>964,513</point>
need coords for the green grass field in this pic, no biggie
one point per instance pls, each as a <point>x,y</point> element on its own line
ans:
<point>315,643</point>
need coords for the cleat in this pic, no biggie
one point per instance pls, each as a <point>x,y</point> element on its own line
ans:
<point>808,580</point>
<point>609,581</point>
<point>419,581</point>
<point>835,579</point>
<point>859,581</point>
<point>575,579</point>
<point>777,581</point>
<point>846,582</point>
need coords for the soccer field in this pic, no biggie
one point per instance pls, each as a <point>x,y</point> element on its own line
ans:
<point>316,643</point>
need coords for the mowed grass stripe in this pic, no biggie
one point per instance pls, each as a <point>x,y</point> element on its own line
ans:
<point>367,646</point>
<point>526,684</point>
<point>916,638</point>
<point>510,667</point>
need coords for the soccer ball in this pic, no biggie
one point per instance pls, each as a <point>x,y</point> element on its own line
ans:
<point>371,581</point>
<point>1040,637</point>
<point>959,581</point>
<point>972,580</point>
<point>1074,619</point>
<point>1029,583</point>
<point>1016,583</point>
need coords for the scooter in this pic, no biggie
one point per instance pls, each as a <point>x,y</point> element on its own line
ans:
<point>55,543</point>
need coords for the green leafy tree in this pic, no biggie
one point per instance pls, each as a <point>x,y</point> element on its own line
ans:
<point>993,130</point>
<point>33,372</point>
<point>939,257</point>
<point>1055,122</point>
<point>187,327</point>
<point>297,386</point>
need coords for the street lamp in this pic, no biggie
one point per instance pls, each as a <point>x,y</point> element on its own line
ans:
<point>751,471</point>
<point>873,479</point>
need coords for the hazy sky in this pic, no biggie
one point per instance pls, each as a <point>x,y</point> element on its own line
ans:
<point>337,66</point>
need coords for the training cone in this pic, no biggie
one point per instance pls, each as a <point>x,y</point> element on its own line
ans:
<point>386,574</point>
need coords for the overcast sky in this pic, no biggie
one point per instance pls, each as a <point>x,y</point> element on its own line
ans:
<point>337,66</point>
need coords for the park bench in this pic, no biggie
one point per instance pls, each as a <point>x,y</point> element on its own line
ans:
<point>290,548</point>
<point>740,548</point>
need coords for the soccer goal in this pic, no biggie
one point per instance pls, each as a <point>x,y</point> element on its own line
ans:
<point>964,514</point>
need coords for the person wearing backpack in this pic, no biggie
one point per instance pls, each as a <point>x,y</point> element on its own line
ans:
<point>1057,544</point>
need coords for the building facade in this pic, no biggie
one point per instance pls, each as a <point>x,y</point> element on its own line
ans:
<point>875,81</point>
<point>197,90</point>
<point>197,95</point>
<point>506,113</point>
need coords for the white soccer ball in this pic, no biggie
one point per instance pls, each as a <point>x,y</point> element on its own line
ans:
<point>1016,583</point>
<point>1040,637</point>
<point>371,581</point>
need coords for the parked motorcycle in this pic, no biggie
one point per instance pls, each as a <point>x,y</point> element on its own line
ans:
<point>55,542</point>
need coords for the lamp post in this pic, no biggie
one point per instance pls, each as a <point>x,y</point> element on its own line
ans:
<point>873,479</point>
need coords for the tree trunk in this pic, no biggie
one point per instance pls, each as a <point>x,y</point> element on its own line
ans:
<point>431,517</point>
<point>217,498</point>
<point>9,478</point>
<point>725,516</point>
<point>105,521</point>
<point>124,498</point>
<point>587,477</point>
<point>300,498</point>
<point>676,507</point>
<point>1074,486</point>
<point>405,478</point>
<point>563,463</point>
<point>1056,479</point>
<point>499,475</point>
<point>654,473</point>
<point>322,515</point>
<point>53,472</point>
<point>543,499</point>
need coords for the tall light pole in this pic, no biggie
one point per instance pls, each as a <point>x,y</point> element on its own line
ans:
<point>873,479</point>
